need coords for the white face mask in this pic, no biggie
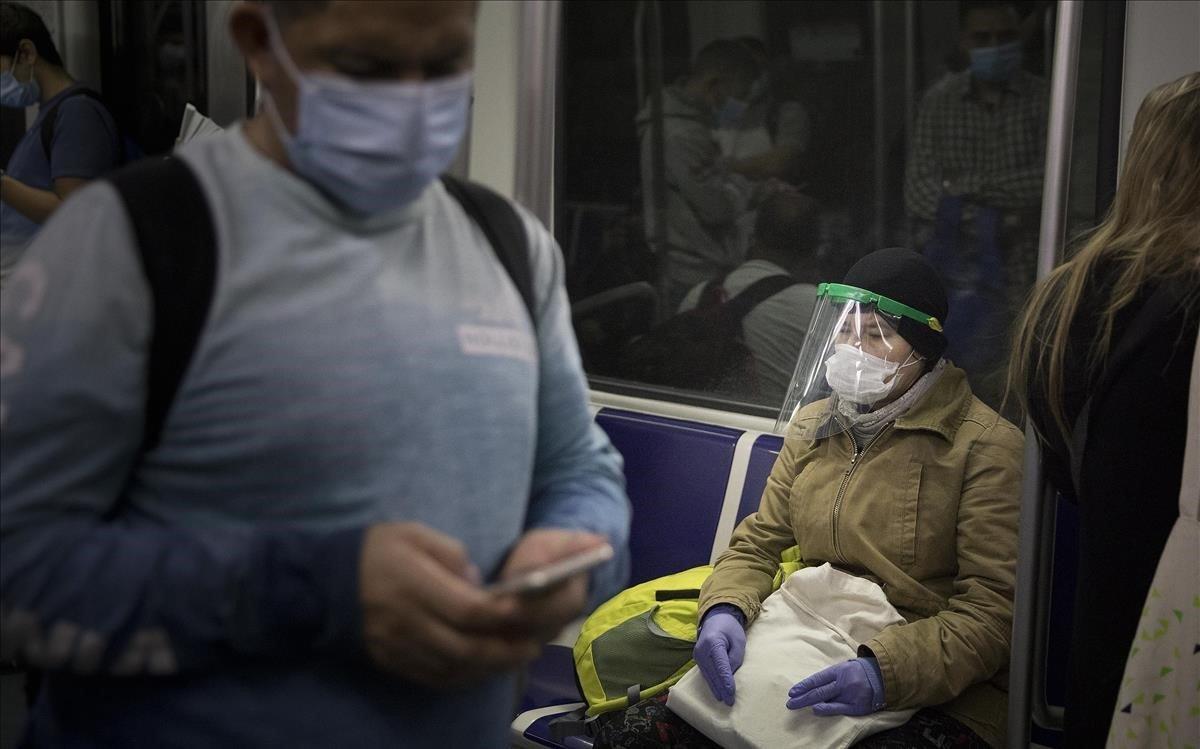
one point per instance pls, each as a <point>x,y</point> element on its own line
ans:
<point>859,377</point>
<point>371,146</point>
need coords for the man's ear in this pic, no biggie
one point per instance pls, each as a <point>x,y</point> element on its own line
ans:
<point>248,28</point>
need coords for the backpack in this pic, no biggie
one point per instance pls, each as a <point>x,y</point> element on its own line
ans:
<point>639,643</point>
<point>130,150</point>
<point>172,223</point>
<point>702,348</point>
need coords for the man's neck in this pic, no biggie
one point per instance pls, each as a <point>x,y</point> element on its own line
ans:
<point>52,81</point>
<point>988,92</point>
<point>265,140</point>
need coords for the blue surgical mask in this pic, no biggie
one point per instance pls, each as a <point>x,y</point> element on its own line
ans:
<point>13,93</point>
<point>730,112</point>
<point>371,146</point>
<point>996,64</point>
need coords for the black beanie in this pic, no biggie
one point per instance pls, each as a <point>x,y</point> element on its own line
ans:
<point>908,278</point>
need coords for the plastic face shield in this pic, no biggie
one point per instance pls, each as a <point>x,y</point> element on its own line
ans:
<point>852,350</point>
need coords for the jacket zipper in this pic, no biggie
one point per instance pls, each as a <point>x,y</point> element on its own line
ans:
<point>837,502</point>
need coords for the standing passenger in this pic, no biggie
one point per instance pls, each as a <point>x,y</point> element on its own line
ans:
<point>56,157</point>
<point>973,186</point>
<point>370,425</point>
<point>1115,327</point>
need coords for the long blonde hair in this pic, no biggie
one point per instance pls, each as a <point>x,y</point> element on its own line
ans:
<point>1150,233</point>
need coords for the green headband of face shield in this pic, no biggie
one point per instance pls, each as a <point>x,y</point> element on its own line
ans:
<point>842,292</point>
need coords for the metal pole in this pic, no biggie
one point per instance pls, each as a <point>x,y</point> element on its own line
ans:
<point>538,65</point>
<point>880,142</point>
<point>910,64</point>
<point>658,146</point>
<point>1027,696</point>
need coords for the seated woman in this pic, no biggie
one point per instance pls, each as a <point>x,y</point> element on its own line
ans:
<point>900,476</point>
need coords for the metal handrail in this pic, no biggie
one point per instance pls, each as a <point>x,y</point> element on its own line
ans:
<point>1027,693</point>
<point>880,122</point>
<point>537,80</point>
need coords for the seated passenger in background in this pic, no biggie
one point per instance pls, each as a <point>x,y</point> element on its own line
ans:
<point>83,142</point>
<point>772,134</point>
<point>767,140</point>
<point>372,424</point>
<point>703,200</point>
<point>785,238</point>
<point>973,186</point>
<point>1115,327</point>
<point>902,477</point>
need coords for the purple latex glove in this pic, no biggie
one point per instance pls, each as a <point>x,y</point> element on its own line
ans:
<point>850,688</point>
<point>720,647</point>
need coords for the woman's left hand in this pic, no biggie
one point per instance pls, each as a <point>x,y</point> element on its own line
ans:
<point>850,688</point>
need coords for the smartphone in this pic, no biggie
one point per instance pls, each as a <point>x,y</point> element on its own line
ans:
<point>540,578</point>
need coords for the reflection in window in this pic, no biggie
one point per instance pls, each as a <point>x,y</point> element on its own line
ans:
<point>153,56</point>
<point>912,123</point>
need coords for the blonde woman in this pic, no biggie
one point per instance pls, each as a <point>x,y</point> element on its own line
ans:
<point>1101,360</point>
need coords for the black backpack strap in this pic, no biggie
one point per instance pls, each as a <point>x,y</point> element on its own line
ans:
<point>48,122</point>
<point>1140,329</point>
<point>504,229</point>
<point>172,224</point>
<point>755,294</point>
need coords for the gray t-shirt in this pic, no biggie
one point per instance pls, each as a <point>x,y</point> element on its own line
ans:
<point>773,330</point>
<point>351,371</point>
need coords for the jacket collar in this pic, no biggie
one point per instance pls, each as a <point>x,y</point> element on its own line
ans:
<point>942,410</point>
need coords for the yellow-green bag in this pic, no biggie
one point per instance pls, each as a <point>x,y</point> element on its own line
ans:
<point>639,642</point>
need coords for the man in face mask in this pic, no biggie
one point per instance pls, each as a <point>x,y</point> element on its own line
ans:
<point>371,429</point>
<point>83,145</point>
<point>703,201</point>
<point>973,184</point>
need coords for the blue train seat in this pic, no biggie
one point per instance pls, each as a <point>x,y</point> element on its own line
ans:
<point>762,460</point>
<point>676,473</point>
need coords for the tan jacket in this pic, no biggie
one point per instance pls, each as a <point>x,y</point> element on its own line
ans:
<point>928,510</point>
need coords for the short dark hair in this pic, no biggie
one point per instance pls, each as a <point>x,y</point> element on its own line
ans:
<point>787,224</point>
<point>727,57</point>
<point>18,22</point>
<point>286,11</point>
<point>967,7</point>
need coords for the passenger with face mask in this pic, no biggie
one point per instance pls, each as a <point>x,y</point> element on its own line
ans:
<point>704,200</point>
<point>84,143</point>
<point>973,185</point>
<point>372,426</point>
<point>893,473</point>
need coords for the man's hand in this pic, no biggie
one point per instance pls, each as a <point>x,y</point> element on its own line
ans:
<point>425,618</point>
<point>547,612</point>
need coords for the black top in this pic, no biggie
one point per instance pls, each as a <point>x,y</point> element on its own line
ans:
<point>1129,490</point>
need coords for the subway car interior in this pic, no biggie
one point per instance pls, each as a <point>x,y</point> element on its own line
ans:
<point>573,108</point>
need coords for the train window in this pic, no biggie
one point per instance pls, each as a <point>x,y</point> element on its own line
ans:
<point>706,146</point>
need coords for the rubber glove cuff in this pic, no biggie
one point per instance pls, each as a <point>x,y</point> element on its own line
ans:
<point>725,608</point>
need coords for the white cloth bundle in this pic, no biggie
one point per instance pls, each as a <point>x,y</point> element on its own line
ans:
<point>817,618</point>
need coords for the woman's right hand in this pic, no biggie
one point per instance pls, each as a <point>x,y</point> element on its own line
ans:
<point>720,647</point>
